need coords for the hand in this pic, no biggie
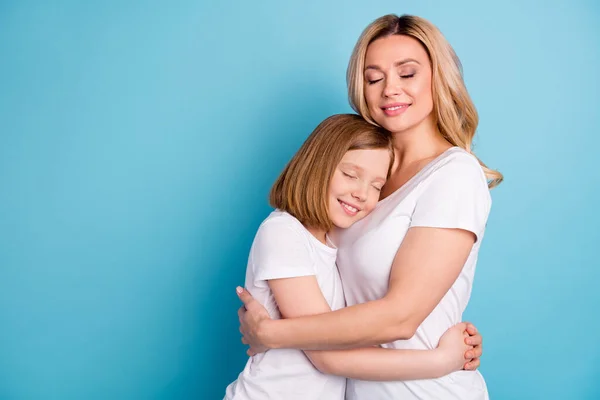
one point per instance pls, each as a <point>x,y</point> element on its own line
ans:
<point>453,347</point>
<point>474,339</point>
<point>252,319</point>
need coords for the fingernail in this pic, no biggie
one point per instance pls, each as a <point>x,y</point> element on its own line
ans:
<point>239,290</point>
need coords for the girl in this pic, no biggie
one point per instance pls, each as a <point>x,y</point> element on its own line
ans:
<point>335,179</point>
<point>408,267</point>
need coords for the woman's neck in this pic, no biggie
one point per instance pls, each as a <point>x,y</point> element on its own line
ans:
<point>417,144</point>
<point>413,148</point>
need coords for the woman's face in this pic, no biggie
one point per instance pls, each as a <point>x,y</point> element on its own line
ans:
<point>398,83</point>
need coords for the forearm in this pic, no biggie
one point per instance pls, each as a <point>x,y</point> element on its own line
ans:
<point>362,325</point>
<point>379,364</point>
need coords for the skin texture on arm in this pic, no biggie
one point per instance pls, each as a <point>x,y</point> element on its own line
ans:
<point>301,296</point>
<point>429,258</point>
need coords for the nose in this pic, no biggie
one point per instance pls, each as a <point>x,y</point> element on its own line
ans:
<point>360,193</point>
<point>392,86</point>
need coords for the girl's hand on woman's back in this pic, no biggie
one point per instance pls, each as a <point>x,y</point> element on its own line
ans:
<point>457,353</point>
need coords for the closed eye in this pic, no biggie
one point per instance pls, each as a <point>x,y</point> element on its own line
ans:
<point>374,81</point>
<point>408,76</point>
<point>349,176</point>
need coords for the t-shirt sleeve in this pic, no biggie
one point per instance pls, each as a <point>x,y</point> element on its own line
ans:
<point>456,196</point>
<point>281,251</point>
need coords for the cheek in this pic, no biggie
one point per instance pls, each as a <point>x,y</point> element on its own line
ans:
<point>422,92</point>
<point>370,97</point>
<point>334,186</point>
<point>372,201</point>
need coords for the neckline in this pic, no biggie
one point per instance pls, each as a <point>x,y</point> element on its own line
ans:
<point>330,248</point>
<point>420,172</point>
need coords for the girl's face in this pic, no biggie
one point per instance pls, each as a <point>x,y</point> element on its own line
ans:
<point>356,185</point>
<point>397,79</point>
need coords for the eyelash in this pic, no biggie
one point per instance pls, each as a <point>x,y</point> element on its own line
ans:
<point>354,177</point>
<point>401,76</point>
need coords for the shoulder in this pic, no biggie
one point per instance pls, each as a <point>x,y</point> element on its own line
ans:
<point>453,194</point>
<point>460,161</point>
<point>281,222</point>
<point>460,172</point>
<point>281,230</point>
<point>459,166</point>
<point>281,249</point>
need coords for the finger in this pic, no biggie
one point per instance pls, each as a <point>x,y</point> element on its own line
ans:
<point>469,355</point>
<point>250,352</point>
<point>241,330</point>
<point>471,329</point>
<point>462,326</point>
<point>241,312</point>
<point>472,365</point>
<point>244,340</point>
<point>477,351</point>
<point>244,296</point>
<point>476,340</point>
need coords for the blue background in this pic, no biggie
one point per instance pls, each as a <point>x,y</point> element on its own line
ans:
<point>139,140</point>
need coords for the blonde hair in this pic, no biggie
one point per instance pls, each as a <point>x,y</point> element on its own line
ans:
<point>455,113</point>
<point>303,186</point>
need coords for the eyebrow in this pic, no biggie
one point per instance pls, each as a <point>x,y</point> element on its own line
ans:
<point>396,64</point>
<point>351,165</point>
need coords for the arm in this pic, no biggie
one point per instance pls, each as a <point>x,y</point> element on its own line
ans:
<point>298,297</point>
<point>429,258</point>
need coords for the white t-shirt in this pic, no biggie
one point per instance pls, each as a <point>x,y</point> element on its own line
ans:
<point>450,192</point>
<point>283,248</point>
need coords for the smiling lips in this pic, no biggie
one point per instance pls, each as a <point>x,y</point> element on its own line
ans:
<point>349,209</point>
<point>391,110</point>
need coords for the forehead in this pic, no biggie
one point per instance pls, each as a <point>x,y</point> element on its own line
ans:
<point>375,161</point>
<point>391,49</point>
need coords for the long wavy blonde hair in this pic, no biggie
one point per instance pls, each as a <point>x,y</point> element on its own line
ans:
<point>455,113</point>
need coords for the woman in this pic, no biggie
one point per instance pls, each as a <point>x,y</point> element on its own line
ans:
<point>334,180</point>
<point>407,268</point>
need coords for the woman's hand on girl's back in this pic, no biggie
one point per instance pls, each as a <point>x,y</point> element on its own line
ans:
<point>252,316</point>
